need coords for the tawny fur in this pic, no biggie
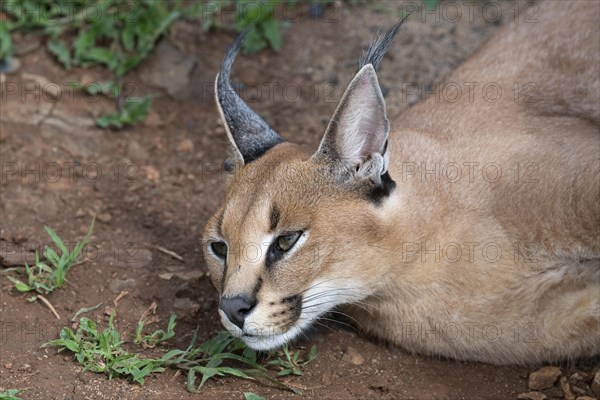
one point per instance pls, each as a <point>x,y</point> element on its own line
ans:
<point>501,264</point>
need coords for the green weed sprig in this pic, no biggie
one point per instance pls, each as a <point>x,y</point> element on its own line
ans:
<point>43,278</point>
<point>101,350</point>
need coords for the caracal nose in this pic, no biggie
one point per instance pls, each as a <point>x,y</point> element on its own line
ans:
<point>237,308</point>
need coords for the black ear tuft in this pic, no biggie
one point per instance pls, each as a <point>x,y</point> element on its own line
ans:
<point>249,133</point>
<point>380,45</point>
<point>355,144</point>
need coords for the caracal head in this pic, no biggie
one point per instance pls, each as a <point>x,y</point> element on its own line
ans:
<point>293,237</point>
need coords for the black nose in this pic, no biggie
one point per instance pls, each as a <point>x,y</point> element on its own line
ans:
<point>237,308</point>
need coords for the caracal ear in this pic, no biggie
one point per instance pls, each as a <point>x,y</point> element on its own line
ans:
<point>248,133</point>
<point>357,135</point>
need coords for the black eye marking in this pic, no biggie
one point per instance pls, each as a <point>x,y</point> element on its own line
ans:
<point>219,249</point>
<point>274,218</point>
<point>219,223</point>
<point>281,245</point>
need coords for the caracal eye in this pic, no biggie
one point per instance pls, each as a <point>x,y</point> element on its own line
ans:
<point>219,249</point>
<point>286,242</point>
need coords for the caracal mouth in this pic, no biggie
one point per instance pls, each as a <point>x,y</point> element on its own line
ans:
<point>272,341</point>
<point>265,339</point>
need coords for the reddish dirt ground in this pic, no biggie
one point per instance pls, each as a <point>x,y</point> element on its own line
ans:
<point>155,184</point>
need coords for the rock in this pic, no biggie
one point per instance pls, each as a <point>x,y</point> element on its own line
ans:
<point>186,304</point>
<point>71,116</point>
<point>585,398</point>
<point>134,258</point>
<point>152,174</point>
<point>83,378</point>
<point>104,217</point>
<point>8,365</point>
<point>190,275</point>
<point>16,258</point>
<point>186,146</point>
<point>532,396</point>
<point>578,390</point>
<point>52,90</point>
<point>579,376</point>
<point>9,65</point>
<point>168,68</point>
<point>596,384</point>
<point>23,112</point>
<point>543,378</point>
<point>566,388</point>
<point>118,285</point>
<point>352,356</point>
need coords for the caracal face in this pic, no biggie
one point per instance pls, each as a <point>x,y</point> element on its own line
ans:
<point>293,253</point>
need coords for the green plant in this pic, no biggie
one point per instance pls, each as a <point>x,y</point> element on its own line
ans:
<point>207,361</point>
<point>121,34</point>
<point>255,16</point>
<point>260,20</point>
<point>113,33</point>
<point>10,394</point>
<point>292,364</point>
<point>102,351</point>
<point>252,396</point>
<point>43,278</point>
<point>134,109</point>
<point>157,337</point>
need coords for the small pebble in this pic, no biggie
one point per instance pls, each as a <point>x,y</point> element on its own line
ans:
<point>9,65</point>
<point>544,378</point>
<point>118,285</point>
<point>352,356</point>
<point>82,377</point>
<point>578,390</point>
<point>532,396</point>
<point>566,388</point>
<point>104,217</point>
<point>186,146</point>
<point>596,384</point>
<point>576,377</point>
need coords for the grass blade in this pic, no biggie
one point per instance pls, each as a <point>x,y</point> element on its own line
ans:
<point>84,310</point>
<point>57,240</point>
